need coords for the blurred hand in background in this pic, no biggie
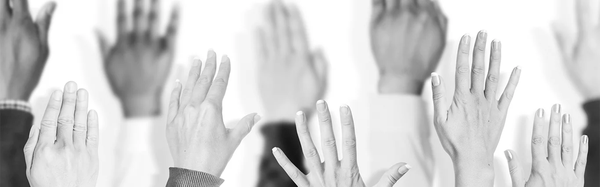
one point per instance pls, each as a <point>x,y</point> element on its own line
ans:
<point>64,150</point>
<point>407,39</point>
<point>556,168</point>
<point>138,64</point>
<point>291,75</point>
<point>23,47</point>
<point>470,128</point>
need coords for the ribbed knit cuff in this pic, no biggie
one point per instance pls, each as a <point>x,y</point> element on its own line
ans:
<point>180,177</point>
<point>592,110</point>
<point>15,105</point>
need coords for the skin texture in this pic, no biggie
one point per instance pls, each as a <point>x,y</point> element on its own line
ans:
<point>138,64</point>
<point>407,39</point>
<point>197,136</point>
<point>470,128</point>
<point>331,172</point>
<point>64,150</point>
<point>23,47</point>
<point>552,156</point>
<point>291,77</point>
<point>580,52</point>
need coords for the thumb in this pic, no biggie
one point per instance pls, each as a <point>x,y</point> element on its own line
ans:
<point>30,146</point>
<point>393,174</point>
<point>244,126</point>
<point>43,20</point>
<point>514,167</point>
<point>102,43</point>
<point>559,34</point>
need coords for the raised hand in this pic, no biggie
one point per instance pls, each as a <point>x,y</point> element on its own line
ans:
<point>23,47</point>
<point>196,134</point>
<point>407,39</point>
<point>332,172</point>
<point>138,64</point>
<point>552,156</point>
<point>580,56</point>
<point>291,77</point>
<point>470,129</point>
<point>64,151</point>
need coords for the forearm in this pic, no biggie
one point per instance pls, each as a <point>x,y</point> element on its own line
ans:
<point>140,106</point>
<point>15,123</point>
<point>592,109</point>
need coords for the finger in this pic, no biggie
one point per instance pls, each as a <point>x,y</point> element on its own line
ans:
<point>491,84</point>
<point>5,10</point>
<point>567,141</point>
<point>509,91</point>
<point>290,169</point>
<point>244,126</point>
<point>297,31</point>
<point>20,8</point>
<point>321,66</point>
<point>279,16</point>
<point>538,138</point>
<point>392,5</point>
<point>462,65</point>
<point>93,131</point>
<point>393,174</point>
<point>48,125</point>
<point>219,85</point>
<point>584,16</point>
<point>153,19</point>
<point>30,146</point>
<point>193,75</point>
<point>440,110</point>
<point>139,19</point>
<point>81,112</point>
<point>349,138</point>
<point>206,79</point>
<point>327,137</point>
<point>442,19</point>
<point>582,157</point>
<point>43,21</point>
<point>172,28</point>
<point>423,4</point>
<point>559,34</point>
<point>174,102</point>
<point>308,147</point>
<point>265,44</point>
<point>516,173</point>
<point>378,10</point>
<point>554,135</point>
<point>102,43</point>
<point>66,117</point>
<point>122,26</point>
<point>478,69</point>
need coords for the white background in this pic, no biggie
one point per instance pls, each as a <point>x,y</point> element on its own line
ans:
<point>340,27</point>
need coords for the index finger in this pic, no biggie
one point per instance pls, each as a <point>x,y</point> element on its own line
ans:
<point>48,125</point>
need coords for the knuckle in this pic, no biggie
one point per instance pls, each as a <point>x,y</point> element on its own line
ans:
<point>567,149</point>
<point>513,169</point>
<point>352,173</point>
<point>462,69</point>
<point>65,121</point>
<point>581,162</point>
<point>438,96</point>
<point>554,141</point>
<point>48,123</point>
<point>329,142</point>
<point>325,119</point>
<point>80,127</point>
<point>492,78</point>
<point>392,179</point>
<point>209,104</point>
<point>537,140</point>
<point>204,80</point>
<point>312,153</point>
<point>350,142</point>
<point>294,174</point>
<point>220,81</point>
<point>69,100</point>
<point>91,138</point>
<point>508,95</point>
<point>478,71</point>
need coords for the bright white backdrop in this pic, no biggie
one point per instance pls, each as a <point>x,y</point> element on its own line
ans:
<point>340,27</point>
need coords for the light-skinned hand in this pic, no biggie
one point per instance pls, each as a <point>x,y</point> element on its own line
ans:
<point>291,75</point>
<point>331,172</point>
<point>196,134</point>
<point>552,155</point>
<point>470,128</point>
<point>23,47</point>
<point>580,53</point>
<point>407,40</point>
<point>64,150</point>
<point>138,64</point>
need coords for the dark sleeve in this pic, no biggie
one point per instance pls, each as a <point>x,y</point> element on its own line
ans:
<point>14,132</point>
<point>284,136</point>
<point>180,177</point>
<point>592,171</point>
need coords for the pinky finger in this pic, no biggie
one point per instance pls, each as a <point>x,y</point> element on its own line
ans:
<point>93,131</point>
<point>174,102</point>
<point>582,157</point>
<point>509,91</point>
<point>292,171</point>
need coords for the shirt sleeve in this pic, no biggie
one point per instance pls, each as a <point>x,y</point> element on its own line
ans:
<point>592,110</point>
<point>400,132</point>
<point>180,177</point>
<point>15,123</point>
<point>284,136</point>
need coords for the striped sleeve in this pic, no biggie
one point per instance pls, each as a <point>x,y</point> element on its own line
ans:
<point>180,177</point>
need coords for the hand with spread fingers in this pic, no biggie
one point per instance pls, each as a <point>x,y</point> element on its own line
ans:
<point>292,76</point>
<point>407,39</point>
<point>197,136</point>
<point>23,47</point>
<point>580,55</point>
<point>470,129</point>
<point>552,155</point>
<point>138,64</point>
<point>332,172</point>
<point>64,150</point>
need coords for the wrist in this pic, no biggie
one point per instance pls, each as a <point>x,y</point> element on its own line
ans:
<point>473,172</point>
<point>392,84</point>
<point>140,105</point>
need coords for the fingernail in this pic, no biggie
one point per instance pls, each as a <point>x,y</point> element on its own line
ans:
<point>57,95</point>
<point>51,10</point>
<point>556,108</point>
<point>275,150</point>
<point>404,169</point>
<point>211,53</point>
<point>256,118</point>
<point>177,81</point>
<point>567,118</point>
<point>344,109</point>
<point>483,33</point>
<point>508,155</point>
<point>71,87</point>
<point>496,43</point>
<point>321,106</point>
<point>585,139</point>
<point>540,113</point>
<point>196,61</point>
<point>518,68</point>
<point>466,39</point>
<point>435,79</point>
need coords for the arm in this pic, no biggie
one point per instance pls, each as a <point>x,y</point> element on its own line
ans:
<point>15,122</point>
<point>592,109</point>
